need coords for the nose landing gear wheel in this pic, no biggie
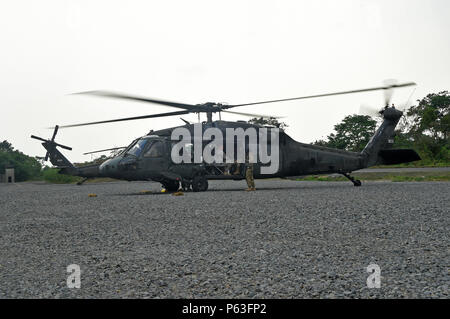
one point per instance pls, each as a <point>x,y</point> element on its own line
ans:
<point>199,183</point>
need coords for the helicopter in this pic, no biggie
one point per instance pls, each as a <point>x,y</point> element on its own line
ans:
<point>153,157</point>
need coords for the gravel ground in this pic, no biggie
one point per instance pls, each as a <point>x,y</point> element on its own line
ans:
<point>287,240</point>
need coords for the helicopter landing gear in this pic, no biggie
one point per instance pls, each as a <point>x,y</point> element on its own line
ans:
<point>199,183</point>
<point>356,182</point>
<point>171,186</point>
<point>186,186</point>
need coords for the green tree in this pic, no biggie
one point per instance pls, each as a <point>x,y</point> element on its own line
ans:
<point>352,134</point>
<point>6,147</point>
<point>428,125</point>
<point>431,116</point>
<point>25,167</point>
<point>268,121</point>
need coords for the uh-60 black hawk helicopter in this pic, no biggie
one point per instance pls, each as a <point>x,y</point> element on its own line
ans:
<point>150,157</point>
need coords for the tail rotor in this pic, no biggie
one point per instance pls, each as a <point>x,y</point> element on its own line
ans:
<point>51,144</point>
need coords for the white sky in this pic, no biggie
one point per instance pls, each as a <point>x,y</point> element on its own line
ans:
<point>198,51</point>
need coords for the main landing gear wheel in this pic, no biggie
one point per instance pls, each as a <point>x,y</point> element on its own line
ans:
<point>186,186</point>
<point>171,186</point>
<point>199,183</point>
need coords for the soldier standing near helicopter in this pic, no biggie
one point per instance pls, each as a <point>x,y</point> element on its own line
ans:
<point>249,173</point>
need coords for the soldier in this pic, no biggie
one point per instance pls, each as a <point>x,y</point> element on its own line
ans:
<point>249,174</point>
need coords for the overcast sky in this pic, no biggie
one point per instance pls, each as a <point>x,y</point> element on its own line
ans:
<point>198,51</point>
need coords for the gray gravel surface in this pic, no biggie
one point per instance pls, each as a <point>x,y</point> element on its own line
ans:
<point>287,240</point>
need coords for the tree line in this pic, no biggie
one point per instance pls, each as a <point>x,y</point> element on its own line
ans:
<point>424,127</point>
<point>25,167</point>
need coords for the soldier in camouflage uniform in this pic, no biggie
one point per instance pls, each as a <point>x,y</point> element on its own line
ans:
<point>249,173</point>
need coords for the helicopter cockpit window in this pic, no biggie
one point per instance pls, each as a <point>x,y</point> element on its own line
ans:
<point>156,149</point>
<point>137,148</point>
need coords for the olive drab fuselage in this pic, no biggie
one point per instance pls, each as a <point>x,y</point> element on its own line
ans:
<point>150,157</point>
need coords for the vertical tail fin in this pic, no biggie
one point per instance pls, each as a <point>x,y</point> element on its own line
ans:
<point>382,136</point>
<point>55,156</point>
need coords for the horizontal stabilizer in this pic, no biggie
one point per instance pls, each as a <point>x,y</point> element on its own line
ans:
<point>390,157</point>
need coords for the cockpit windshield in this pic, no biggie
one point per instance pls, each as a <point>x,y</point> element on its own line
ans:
<point>137,148</point>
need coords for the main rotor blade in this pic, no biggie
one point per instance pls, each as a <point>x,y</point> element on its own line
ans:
<point>129,118</point>
<point>105,150</point>
<point>253,115</point>
<point>326,94</point>
<point>139,98</point>
<point>407,105</point>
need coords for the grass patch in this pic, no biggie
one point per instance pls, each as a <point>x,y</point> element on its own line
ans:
<point>101,180</point>
<point>322,178</point>
<point>422,163</point>
<point>379,176</point>
<point>52,175</point>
